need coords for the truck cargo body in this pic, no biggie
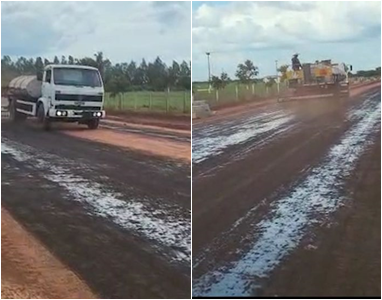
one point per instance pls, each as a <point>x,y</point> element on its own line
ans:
<point>318,80</point>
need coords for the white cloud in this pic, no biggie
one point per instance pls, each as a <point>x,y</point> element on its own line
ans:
<point>122,30</point>
<point>239,30</point>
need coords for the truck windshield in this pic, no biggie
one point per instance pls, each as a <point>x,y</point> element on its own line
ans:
<point>77,77</point>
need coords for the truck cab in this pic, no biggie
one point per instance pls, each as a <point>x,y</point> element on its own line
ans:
<point>70,93</point>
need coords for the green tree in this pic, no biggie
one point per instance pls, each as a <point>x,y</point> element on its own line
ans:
<point>184,82</point>
<point>70,60</point>
<point>157,75</point>
<point>141,77</point>
<point>100,63</point>
<point>246,72</point>
<point>63,60</point>
<point>131,72</point>
<point>117,78</point>
<point>39,65</point>
<point>173,75</point>
<point>221,82</point>
<point>6,61</point>
<point>86,61</point>
<point>283,70</point>
<point>118,84</point>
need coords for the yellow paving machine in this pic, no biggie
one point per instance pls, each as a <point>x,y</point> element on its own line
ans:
<point>321,79</point>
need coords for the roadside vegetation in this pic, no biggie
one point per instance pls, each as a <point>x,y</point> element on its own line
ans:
<point>245,86</point>
<point>152,86</point>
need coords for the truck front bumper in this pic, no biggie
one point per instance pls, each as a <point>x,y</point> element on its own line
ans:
<point>73,115</point>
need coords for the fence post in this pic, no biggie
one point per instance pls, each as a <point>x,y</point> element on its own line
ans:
<point>217,95</point>
<point>120,101</point>
<point>237,92</point>
<point>151,100</point>
<point>135,101</point>
<point>253,88</point>
<point>184,101</point>
<point>167,100</point>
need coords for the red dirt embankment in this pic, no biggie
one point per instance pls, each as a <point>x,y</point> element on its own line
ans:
<point>120,122</point>
<point>155,119</point>
<point>161,144</point>
<point>149,145</point>
<point>30,271</point>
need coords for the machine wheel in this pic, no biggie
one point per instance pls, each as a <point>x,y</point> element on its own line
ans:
<point>14,115</point>
<point>93,124</point>
<point>42,118</point>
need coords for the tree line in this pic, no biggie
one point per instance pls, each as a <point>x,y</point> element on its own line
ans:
<point>367,73</point>
<point>246,74</point>
<point>118,78</point>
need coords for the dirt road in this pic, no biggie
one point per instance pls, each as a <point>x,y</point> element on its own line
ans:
<point>28,270</point>
<point>112,205</point>
<point>272,182</point>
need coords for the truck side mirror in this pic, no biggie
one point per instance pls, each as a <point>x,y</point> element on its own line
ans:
<point>351,68</point>
<point>39,76</point>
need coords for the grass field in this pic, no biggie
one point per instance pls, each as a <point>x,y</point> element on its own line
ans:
<point>169,102</point>
<point>234,92</point>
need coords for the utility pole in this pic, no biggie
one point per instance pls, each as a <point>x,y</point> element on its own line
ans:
<point>278,79</point>
<point>209,71</point>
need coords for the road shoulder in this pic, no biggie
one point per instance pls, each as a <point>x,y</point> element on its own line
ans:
<point>31,271</point>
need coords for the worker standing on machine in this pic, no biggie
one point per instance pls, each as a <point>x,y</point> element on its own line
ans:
<point>296,65</point>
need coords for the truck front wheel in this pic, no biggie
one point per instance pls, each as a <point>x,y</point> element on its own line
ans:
<point>14,115</point>
<point>42,118</point>
<point>93,123</point>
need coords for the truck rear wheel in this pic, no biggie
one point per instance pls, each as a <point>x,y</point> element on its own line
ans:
<point>42,118</point>
<point>93,123</point>
<point>14,115</point>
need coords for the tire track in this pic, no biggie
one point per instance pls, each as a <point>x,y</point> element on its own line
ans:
<point>147,132</point>
<point>213,140</point>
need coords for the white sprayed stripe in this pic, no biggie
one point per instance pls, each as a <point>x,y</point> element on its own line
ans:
<point>131,214</point>
<point>207,146</point>
<point>358,112</point>
<point>318,195</point>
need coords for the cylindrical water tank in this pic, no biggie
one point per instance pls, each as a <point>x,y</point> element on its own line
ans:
<point>339,69</point>
<point>26,86</point>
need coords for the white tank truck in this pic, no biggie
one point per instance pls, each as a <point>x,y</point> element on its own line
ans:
<point>63,93</point>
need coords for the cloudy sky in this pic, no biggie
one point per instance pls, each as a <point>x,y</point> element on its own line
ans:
<point>347,32</point>
<point>122,30</point>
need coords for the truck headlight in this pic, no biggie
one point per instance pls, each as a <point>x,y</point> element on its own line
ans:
<point>61,113</point>
<point>97,114</point>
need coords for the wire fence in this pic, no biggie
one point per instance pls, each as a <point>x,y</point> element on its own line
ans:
<point>167,102</point>
<point>235,92</point>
